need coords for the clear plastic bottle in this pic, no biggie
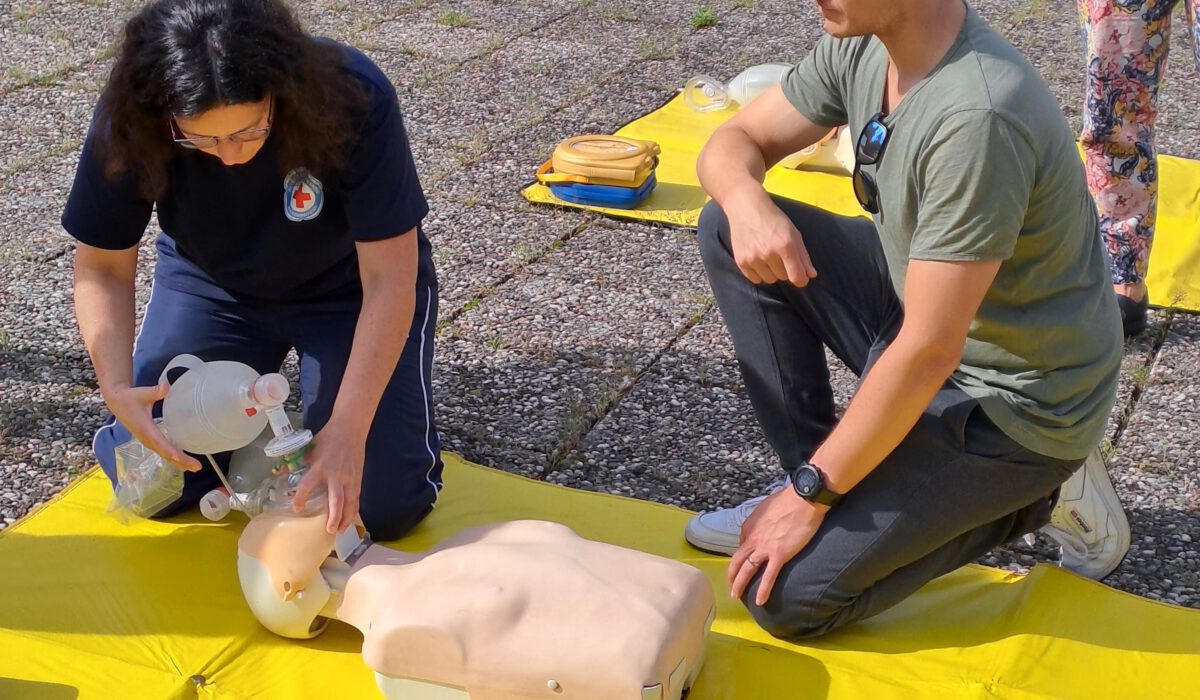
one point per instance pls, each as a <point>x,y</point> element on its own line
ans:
<point>218,406</point>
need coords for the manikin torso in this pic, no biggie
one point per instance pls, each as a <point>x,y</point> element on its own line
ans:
<point>513,610</point>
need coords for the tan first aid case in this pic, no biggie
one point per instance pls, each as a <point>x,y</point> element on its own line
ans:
<point>600,159</point>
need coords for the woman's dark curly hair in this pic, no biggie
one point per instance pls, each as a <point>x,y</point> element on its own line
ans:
<point>184,57</point>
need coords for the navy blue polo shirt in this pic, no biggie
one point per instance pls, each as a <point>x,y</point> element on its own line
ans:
<point>253,232</point>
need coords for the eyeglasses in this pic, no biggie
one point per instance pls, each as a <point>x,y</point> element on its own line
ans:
<point>867,151</point>
<point>210,142</point>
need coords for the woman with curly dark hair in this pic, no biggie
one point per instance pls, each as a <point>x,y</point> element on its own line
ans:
<point>290,211</point>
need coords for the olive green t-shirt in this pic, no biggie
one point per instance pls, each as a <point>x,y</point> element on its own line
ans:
<point>980,164</point>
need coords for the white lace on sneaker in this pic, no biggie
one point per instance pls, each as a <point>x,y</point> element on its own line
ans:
<point>720,531</point>
<point>1088,521</point>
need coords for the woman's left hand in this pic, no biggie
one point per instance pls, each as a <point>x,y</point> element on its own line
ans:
<point>337,460</point>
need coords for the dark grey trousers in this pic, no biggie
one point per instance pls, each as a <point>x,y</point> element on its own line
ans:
<point>953,489</point>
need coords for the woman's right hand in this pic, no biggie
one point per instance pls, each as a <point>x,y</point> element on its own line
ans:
<point>133,407</point>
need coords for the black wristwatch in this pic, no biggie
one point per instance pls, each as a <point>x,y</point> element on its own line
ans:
<point>809,483</point>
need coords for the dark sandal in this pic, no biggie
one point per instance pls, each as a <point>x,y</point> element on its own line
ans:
<point>1133,314</point>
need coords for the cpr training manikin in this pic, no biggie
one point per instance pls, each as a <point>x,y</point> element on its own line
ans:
<point>508,611</point>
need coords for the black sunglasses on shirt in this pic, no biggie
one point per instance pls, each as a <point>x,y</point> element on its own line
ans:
<point>867,151</point>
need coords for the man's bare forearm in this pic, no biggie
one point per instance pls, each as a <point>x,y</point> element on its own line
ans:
<point>730,164</point>
<point>884,409</point>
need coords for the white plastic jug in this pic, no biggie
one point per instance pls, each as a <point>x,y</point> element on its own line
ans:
<point>218,406</point>
<point>705,94</point>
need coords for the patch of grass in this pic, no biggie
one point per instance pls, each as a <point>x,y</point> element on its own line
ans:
<point>25,12</point>
<point>1034,9</point>
<point>24,78</point>
<point>747,4</point>
<point>542,67</point>
<point>5,339</point>
<point>1140,376</point>
<point>703,17</point>
<point>497,342</point>
<point>467,307</point>
<point>453,18</point>
<point>649,49</point>
<point>1154,468</point>
<point>620,14</point>
<point>62,149</point>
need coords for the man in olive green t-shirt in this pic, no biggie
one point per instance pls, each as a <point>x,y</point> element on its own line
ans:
<point>976,306</point>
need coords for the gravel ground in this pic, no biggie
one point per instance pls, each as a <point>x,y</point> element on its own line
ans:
<point>572,348</point>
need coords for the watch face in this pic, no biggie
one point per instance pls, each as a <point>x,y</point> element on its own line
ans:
<point>807,481</point>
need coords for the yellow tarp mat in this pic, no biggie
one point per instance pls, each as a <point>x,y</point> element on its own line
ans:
<point>90,608</point>
<point>1174,277</point>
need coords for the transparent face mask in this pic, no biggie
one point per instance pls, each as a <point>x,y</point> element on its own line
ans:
<point>705,94</point>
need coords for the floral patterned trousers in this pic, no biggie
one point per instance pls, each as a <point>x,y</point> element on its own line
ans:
<point>1126,58</point>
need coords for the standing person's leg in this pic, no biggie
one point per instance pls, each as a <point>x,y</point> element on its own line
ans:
<point>1127,46</point>
<point>402,473</point>
<point>176,323</point>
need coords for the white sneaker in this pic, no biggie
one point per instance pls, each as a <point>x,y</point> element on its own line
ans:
<point>720,531</point>
<point>1088,521</point>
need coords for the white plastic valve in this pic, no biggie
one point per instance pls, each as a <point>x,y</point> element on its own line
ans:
<point>270,390</point>
<point>215,505</point>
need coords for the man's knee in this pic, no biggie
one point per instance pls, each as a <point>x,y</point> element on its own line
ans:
<point>798,616</point>
<point>711,232</point>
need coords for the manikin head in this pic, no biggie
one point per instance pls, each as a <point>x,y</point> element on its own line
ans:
<point>280,555</point>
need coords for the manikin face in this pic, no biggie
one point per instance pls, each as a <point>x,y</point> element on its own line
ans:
<point>847,18</point>
<point>243,122</point>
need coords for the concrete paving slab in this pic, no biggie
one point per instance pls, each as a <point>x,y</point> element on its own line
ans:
<point>500,18</point>
<point>1139,358</point>
<point>477,247</point>
<point>575,327</point>
<point>44,122</point>
<point>505,169</point>
<point>459,115</point>
<point>648,444</point>
<point>31,207</point>
<point>41,40</point>
<point>1157,473</point>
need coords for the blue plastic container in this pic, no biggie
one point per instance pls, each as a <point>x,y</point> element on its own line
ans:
<point>604,195</point>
